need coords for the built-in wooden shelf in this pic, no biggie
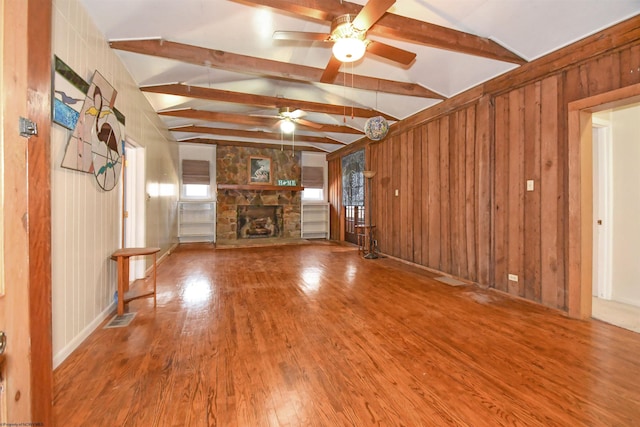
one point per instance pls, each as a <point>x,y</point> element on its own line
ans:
<point>258,187</point>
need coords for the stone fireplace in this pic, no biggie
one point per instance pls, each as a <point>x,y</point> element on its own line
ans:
<point>246,214</point>
<point>249,210</point>
<point>255,222</point>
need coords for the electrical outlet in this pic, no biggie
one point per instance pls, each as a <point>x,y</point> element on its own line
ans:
<point>529,185</point>
<point>397,192</point>
<point>513,277</point>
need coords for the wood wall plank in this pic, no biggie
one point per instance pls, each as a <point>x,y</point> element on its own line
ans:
<point>550,258</point>
<point>461,173</point>
<point>426,195</point>
<point>452,195</point>
<point>396,176</point>
<point>471,196</point>
<point>433,172</point>
<point>417,192</point>
<point>501,201</point>
<point>404,249</point>
<point>515,257</point>
<point>384,186</point>
<point>460,247</point>
<point>445,217</point>
<point>484,190</point>
<point>530,276</point>
<point>335,197</point>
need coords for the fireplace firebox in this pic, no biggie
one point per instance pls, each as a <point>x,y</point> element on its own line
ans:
<point>255,222</point>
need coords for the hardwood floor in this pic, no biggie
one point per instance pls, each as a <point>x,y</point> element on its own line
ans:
<point>315,335</point>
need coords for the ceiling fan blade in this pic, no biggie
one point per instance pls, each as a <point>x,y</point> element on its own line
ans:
<point>301,35</point>
<point>390,52</point>
<point>331,71</point>
<point>298,113</point>
<point>307,123</point>
<point>268,116</point>
<point>371,12</point>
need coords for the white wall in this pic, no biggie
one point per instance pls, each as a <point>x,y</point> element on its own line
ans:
<point>626,205</point>
<point>86,219</point>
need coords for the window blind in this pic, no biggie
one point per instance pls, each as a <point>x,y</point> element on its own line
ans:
<point>195,172</point>
<point>313,177</point>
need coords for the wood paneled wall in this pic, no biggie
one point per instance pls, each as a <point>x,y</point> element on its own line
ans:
<point>460,172</point>
<point>529,225</point>
<point>431,203</point>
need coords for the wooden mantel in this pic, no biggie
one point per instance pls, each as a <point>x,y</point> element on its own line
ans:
<point>259,187</point>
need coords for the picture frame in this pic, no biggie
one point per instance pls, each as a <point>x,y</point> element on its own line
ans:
<point>259,170</point>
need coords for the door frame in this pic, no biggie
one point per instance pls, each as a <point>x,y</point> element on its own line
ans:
<point>580,193</point>
<point>39,187</point>
<point>26,42</point>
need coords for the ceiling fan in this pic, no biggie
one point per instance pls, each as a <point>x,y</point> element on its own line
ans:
<point>349,38</point>
<point>288,119</point>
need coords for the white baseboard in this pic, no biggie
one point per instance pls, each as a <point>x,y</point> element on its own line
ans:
<point>628,301</point>
<point>59,357</point>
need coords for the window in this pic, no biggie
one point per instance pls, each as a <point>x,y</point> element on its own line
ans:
<point>195,179</point>
<point>196,190</point>
<point>313,183</point>
<point>313,194</point>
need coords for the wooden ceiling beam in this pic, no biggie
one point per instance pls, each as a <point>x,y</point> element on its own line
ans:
<point>399,27</point>
<point>239,119</point>
<point>261,100</point>
<point>251,144</point>
<point>253,134</point>
<point>263,67</point>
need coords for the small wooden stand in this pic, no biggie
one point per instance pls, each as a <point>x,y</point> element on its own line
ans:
<point>122,257</point>
<point>366,237</point>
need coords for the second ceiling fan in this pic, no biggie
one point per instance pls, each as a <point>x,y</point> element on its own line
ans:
<point>349,38</point>
<point>288,119</point>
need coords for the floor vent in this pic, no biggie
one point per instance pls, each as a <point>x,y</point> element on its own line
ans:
<point>120,321</point>
<point>450,281</point>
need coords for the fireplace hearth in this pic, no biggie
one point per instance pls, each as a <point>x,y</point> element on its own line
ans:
<point>255,222</point>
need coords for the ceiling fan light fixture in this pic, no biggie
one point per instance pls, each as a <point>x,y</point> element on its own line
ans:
<point>349,49</point>
<point>287,126</point>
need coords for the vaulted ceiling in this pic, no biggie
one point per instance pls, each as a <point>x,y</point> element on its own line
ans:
<point>214,71</point>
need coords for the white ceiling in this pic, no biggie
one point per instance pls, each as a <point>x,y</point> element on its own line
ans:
<point>529,28</point>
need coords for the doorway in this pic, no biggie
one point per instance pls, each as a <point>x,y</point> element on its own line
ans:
<point>133,210</point>
<point>616,202</point>
<point>353,216</point>
<point>581,200</point>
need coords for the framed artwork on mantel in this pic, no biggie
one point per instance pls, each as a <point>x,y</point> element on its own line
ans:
<point>259,170</point>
